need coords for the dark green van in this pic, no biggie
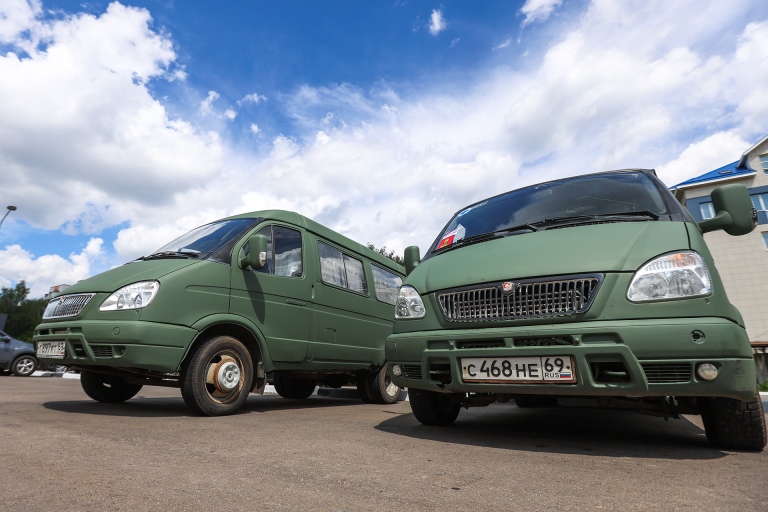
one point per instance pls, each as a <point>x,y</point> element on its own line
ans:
<point>598,286</point>
<point>219,312</point>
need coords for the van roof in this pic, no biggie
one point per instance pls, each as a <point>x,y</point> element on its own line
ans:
<point>323,232</point>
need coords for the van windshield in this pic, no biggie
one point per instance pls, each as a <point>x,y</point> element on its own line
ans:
<point>580,200</point>
<point>203,241</point>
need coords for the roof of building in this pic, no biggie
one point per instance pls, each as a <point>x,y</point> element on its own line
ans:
<point>733,170</point>
<point>743,159</point>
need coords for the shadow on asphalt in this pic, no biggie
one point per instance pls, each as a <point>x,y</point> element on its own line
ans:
<point>172,406</point>
<point>565,430</point>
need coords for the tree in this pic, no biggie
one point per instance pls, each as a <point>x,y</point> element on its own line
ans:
<point>391,254</point>
<point>23,314</point>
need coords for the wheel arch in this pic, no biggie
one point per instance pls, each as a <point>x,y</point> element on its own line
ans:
<point>238,327</point>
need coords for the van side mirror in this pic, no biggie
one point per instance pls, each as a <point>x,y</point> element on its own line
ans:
<point>5,339</point>
<point>257,253</point>
<point>734,212</point>
<point>412,257</point>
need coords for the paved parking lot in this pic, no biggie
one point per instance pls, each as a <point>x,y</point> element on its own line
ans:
<point>62,451</point>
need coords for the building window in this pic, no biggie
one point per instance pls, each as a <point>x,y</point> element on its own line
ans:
<point>765,240</point>
<point>764,162</point>
<point>707,210</point>
<point>760,202</point>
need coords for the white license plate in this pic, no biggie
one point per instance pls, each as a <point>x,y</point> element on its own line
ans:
<point>518,369</point>
<point>51,349</point>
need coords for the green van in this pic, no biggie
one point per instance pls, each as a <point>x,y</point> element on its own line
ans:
<point>597,286</point>
<point>222,310</point>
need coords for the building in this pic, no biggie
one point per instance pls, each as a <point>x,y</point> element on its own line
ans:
<point>742,261</point>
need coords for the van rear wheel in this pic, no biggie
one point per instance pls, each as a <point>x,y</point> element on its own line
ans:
<point>108,389</point>
<point>218,378</point>
<point>288,386</point>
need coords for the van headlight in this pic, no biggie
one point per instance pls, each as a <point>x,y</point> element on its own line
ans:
<point>409,304</point>
<point>680,275</point>
<point>134,296</point>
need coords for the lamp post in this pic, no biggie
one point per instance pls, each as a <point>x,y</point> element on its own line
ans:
<point>10,209</point>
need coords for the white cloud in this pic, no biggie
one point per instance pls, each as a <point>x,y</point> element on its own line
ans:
<point>504,44</point>
<point>40,273</point>
<point>252,98</point>
<point>230,114</point>
<point>206,106</point>
<point>538,10</point>
<point>379,165</point>
<point>436,22</point>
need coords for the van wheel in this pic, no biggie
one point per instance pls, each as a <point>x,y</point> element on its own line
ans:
<point>381,390</point>
<point>733,424</point>
<point>109,389</point>
<point>292,387</point>
<point>432,408</point>
<point>218,378</point>
<point>24,366</point>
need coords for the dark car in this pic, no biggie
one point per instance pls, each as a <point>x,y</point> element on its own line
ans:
<point>19,357</point>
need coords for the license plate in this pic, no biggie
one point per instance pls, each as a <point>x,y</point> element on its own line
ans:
<point>51,349</point>
<point>502,370</point>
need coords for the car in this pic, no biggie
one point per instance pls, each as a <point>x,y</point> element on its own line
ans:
<point>266,296</point>
<point>598,286</point>
<point>18,357</point>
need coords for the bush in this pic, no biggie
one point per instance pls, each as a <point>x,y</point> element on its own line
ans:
<point>763,386</point>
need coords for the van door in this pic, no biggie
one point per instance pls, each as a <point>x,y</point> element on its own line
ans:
<point>348,328</point>
<point>278,298</point>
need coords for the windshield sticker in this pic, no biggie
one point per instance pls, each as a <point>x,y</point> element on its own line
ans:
<point>452,237</point>
<point>464,212</point>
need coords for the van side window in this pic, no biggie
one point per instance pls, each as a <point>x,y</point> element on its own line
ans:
<point>341,270</point>
<point>387,285</point>
<point>287,252</point>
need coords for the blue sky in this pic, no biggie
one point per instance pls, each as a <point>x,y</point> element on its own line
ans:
<point>124,124</point>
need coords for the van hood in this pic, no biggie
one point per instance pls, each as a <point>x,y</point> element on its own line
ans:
<point>617,247</point>
<point>129,273</point>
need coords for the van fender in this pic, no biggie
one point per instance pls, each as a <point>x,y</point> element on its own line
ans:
<point>207,322</point>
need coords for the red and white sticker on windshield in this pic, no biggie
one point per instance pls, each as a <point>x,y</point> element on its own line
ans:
<point>452,237</point>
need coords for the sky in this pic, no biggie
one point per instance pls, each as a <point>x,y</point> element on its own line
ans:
<point>125,124</point>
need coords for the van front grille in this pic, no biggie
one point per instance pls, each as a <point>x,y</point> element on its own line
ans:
<point>664,373</point>
<point>66,306</point>
<point>412,371</point>
<point>529,298</point>
<point>102,350</point>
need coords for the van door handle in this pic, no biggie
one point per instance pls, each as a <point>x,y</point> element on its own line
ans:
<point>297,303</point>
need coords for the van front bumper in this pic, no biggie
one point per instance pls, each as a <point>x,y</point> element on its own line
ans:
<point>128,344</point>
<point>654,358</point>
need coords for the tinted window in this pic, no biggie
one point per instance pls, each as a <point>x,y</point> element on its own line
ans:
<point>207,239</point>
<point>387,285</point>
<point>332,266</point>
<point>341,270</point>
<point>287,252</point>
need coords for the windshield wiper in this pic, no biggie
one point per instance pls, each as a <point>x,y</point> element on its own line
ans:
<point>589,218</point>
<point>188,253</point>
<point>482,237</point>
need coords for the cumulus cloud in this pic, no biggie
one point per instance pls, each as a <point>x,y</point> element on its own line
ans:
<point>381,165</point>
<point>538,10</point>
<point>436,22</point>
<point>40,273</point>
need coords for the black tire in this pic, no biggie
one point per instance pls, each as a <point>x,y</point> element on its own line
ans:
<point>530,401</point>
<point>218,378</point>
<point>734,424</point>
<point>24,365</point>
<point>363,388</point>
<point>109,389</point>
<point>430,408</point>
<point>295,388</point>
<point>381,390</point>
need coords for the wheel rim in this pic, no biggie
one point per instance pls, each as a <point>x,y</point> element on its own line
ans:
<point>25,366</point>
<point>389,388</point>
<point>223,377</point>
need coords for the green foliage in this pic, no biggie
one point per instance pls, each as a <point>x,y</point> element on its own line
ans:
<point>763,386</point>
<point>23,314</point>
<point>391,254</point>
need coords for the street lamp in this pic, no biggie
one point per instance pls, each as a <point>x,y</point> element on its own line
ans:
<point>10,209</point>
